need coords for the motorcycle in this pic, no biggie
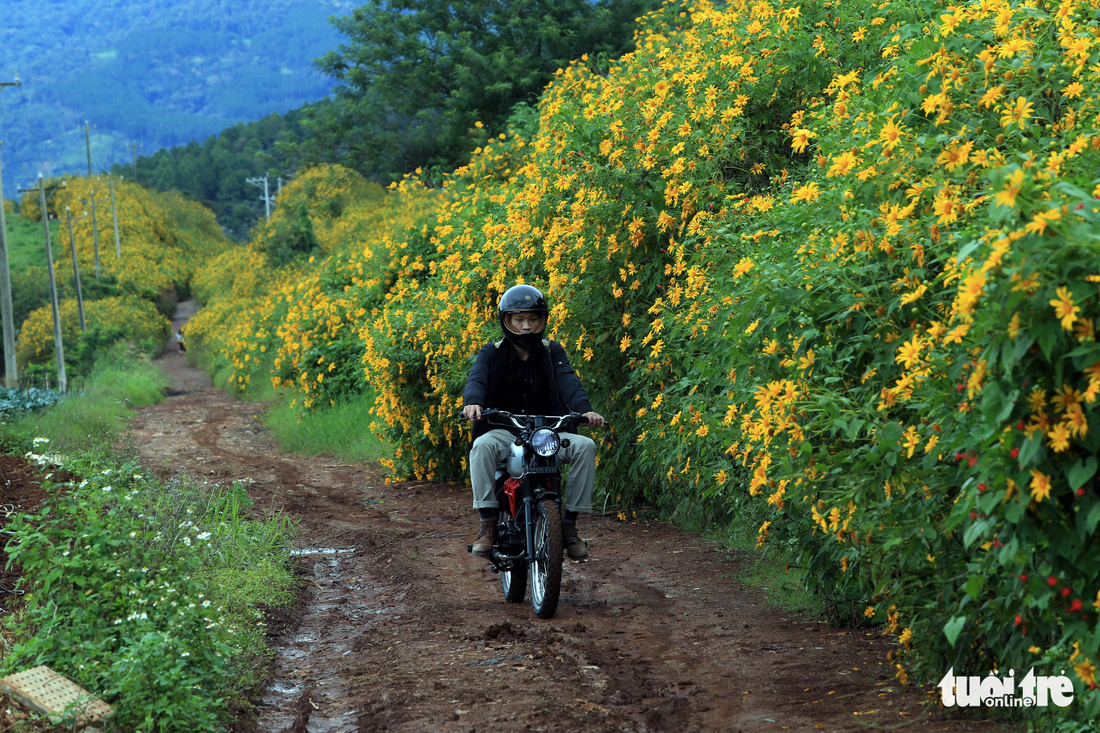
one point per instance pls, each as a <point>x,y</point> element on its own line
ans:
<point>529,543</point>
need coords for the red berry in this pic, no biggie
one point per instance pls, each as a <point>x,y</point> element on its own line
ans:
<point>1065,592</point>
<point>1015,453</point>
<point>972,461</point>
<point>1052,581</point>
<point>1020,425</point>
<point>1018,620</point>
<point>1076,605</point>
<point>1023,578</point>
<point>1081,491</point>
<point>981,486</point>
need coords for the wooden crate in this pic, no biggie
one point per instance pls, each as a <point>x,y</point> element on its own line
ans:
<point>44,690</point>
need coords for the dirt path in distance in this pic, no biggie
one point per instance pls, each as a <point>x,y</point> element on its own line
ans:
<point>397,628</point>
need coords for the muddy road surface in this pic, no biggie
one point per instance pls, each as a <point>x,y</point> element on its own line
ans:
<point>397,628</point>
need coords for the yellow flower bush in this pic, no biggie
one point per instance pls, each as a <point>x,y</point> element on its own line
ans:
<point>162,237</point>
<point>162,240</point>
<point>275,321</point>
<point>125,317</point>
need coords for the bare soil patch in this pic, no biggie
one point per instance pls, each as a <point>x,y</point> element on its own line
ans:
<point>397,628</point>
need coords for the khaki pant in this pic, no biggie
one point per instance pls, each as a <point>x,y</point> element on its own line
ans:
<point>495,445</point>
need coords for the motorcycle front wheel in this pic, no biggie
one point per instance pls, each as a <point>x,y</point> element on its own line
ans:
<point>545,564</point>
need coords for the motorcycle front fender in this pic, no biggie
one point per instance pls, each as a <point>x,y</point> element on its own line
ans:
<point>514,461</point>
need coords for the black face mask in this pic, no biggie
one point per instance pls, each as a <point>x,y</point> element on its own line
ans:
<point>525,341</point>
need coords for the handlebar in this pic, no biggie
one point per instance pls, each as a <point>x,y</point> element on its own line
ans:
<point>515,419</point>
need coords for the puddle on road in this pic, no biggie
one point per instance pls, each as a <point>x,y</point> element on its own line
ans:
<point>323,551</point>
<point>338,614</point>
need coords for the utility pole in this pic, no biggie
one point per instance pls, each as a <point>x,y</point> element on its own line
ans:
<point>95,237</point>
<point>11,372</point>
<point>88,145</point>
<point>114,214</point>
<point>59,347</point>
<point>266,198</point>
<point>76,270</point>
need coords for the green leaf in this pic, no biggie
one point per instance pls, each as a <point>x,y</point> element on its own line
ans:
<point>1012,353</point>
<point>966,249</point>
<point>974,586</point>
<point>1081,472</point>
<point>890,433</point>
<point>1093,518</point>
<point>1029,451</point>
<point>1048,339</point>
<point>993,401</point>
<point>1014,511</point>
<point>975,531</point>
<point>953,628</point>
<point>1008,552</point>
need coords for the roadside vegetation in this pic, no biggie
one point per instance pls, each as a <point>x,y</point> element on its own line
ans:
<point>147,592</point>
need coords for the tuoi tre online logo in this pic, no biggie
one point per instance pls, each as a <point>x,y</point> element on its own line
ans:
<point>991,691</point>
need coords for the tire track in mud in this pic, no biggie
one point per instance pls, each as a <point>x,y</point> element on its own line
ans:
<point>397,628</point>
<point>214,424</point>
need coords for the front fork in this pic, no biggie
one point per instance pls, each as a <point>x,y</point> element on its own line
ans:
<point>529,508</point>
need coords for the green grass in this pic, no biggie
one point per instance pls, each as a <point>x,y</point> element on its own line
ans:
<point>342,430</point>
<point>186,638</point>
<point>96,415</point>
<point>772,571</point>
<point>26,247</point>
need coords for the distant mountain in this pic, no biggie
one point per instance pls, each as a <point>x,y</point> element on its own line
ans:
<point>149,74</point>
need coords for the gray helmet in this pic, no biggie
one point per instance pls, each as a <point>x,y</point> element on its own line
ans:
<point>526,299</point>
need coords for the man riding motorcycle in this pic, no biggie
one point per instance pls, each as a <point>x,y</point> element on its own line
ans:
<point>527,374</point>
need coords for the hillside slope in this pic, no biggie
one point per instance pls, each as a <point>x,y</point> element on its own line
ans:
<point>151,74</point>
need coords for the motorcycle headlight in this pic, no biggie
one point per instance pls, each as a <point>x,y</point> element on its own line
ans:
<point>545,442</point>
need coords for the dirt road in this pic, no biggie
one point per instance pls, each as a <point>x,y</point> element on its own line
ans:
<point>397,628</point>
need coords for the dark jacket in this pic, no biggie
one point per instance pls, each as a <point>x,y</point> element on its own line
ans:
<point>561,389</point>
